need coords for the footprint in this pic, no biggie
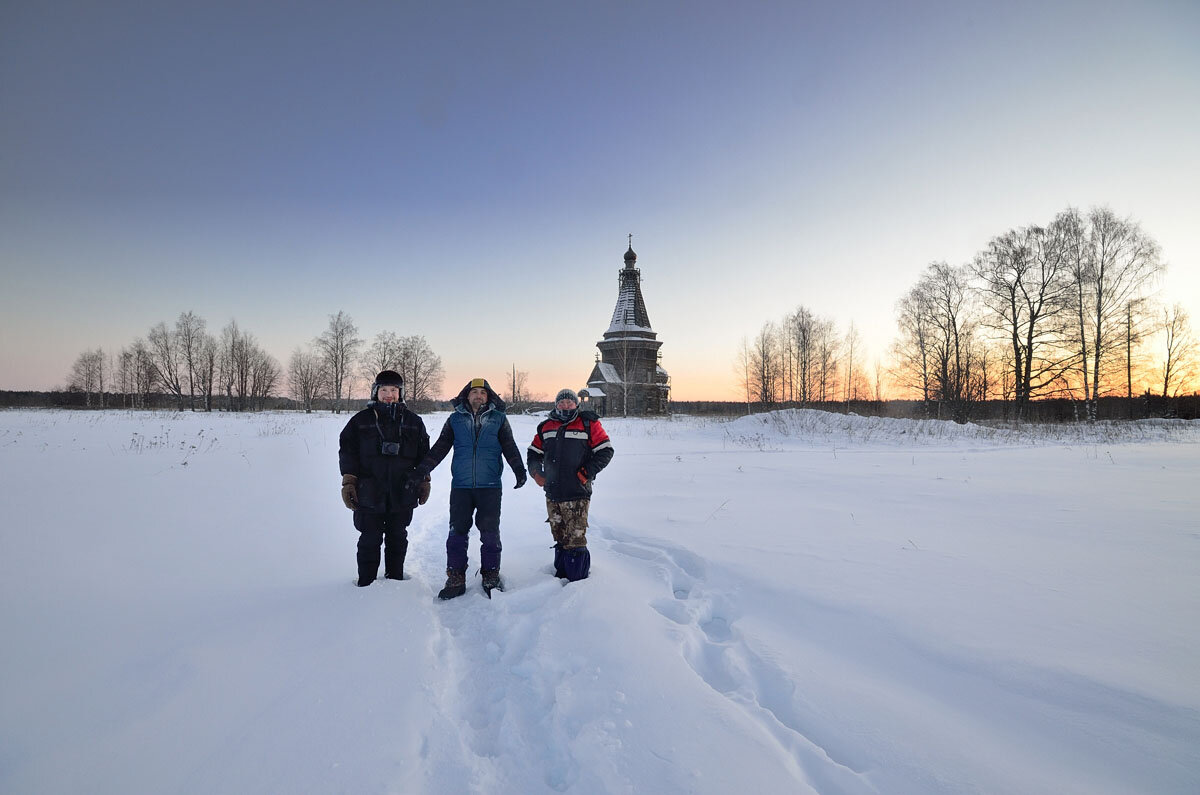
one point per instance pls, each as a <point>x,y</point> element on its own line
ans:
<point>717,630</point>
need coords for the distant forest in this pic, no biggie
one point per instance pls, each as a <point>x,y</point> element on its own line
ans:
<point>1050,410</point>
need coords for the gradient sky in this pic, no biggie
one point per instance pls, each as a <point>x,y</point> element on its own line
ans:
<point>469,171</point>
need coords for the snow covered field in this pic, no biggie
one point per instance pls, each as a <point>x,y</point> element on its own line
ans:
<point>795,602</point>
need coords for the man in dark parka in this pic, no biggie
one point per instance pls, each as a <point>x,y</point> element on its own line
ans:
<point>378,451</point>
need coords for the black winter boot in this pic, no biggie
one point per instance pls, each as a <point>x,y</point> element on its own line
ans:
<point>393,560</point>
<point>456,584</point>
<point>492,581</point>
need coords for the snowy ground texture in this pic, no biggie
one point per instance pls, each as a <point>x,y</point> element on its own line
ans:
<point>794,602</point>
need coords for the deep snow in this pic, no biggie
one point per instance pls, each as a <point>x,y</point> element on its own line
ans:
<point>792,602</point>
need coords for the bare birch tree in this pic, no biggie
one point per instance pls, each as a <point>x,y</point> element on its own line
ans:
<point>206,368</point>
<point>1180,351</point>
<point>139,375</point>
<point>304,376</point>
<point>518,392</point>
<point>1025,292</point>
<point>163,345</point>
<point>743,370</point>
<point>338,346</point>
<point>87,377</point>
<point>913,349</point>
<point>827,350</point>
<point>264,376</point>
<point>952,356</point>
<point>383,354</point>
<point>1134,331</point>
<point>1111,262</point>
<point>421,369</point>
<point>764,364</point>
<point>801,327</point>
<point>851,355</point>
<point>189,337</point>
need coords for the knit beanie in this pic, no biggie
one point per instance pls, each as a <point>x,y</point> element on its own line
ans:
<point>567,394</point>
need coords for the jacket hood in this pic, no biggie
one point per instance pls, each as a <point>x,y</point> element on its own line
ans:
<point>493,398</point>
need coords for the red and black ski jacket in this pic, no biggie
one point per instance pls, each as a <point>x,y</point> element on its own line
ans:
<point>569,455</point>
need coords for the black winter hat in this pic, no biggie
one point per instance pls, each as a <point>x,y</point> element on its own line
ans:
<point>387,378</point>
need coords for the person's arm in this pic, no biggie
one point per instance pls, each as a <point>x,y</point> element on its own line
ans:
<point>349,465</point>
<point>600,453</point>
<point>535,457</point>
<point>348,462</point>
<point>439,450</point>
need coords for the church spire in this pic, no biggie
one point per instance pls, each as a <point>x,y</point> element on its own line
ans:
<point>629,315</point>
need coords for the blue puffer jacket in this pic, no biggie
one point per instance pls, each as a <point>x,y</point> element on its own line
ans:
<point>479,441</point>
<point>477,463</point>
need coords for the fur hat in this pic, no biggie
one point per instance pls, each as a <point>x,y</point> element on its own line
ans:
<point>387,378</point>
<point>567,394</point>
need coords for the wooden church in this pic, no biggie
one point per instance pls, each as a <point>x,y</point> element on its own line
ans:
<point>628,378</point>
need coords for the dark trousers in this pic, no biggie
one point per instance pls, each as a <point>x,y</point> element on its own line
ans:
<point>373,530</point>
<point>483,507</point>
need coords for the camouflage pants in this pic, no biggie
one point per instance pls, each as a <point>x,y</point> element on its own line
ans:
<point>568,522</point>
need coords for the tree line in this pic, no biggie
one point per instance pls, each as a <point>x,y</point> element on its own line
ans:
<point>1061,310</point>
<point>231,371</point>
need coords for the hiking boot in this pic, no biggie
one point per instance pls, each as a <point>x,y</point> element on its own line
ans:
<point>491,580</point>
<point>456,584</point>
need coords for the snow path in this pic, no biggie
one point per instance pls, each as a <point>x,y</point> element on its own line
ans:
<point>717,651</point>
<point>1021,709</point>
<point>799,602</point>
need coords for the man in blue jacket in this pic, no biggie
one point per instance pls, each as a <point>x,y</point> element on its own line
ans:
<point>479,433</point>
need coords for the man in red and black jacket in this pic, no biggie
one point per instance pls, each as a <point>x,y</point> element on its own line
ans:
<point>568,451</point>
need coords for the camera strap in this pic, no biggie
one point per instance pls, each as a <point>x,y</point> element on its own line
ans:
<point>399,426</point>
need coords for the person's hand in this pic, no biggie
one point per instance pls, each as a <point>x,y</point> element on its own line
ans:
<point>350,491</point>
<point>539,479</point>
<point>423,491</point>
<point>417,477</point>
<point>521,478</point>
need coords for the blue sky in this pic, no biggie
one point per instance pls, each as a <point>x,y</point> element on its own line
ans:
<point>469,171</point>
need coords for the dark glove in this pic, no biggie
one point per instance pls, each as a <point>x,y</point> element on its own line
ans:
<point>521,478</point>
<point>350,491</point>
<point>416,478</point>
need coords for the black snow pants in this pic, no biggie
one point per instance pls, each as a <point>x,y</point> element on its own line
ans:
<point>374,529</point>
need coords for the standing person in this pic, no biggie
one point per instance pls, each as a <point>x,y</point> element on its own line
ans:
<point>377,452</point>
<point>479,432</point>
<point>568,451</point>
